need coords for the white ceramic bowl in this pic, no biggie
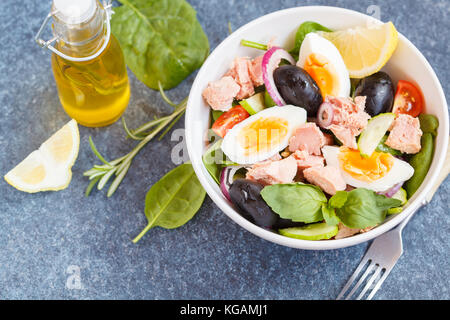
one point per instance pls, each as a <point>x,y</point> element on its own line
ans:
<point>407,63</point>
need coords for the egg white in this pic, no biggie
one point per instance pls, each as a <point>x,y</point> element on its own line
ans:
<point>313,43</point>
<point>400,171</point>
<point>295,117</point>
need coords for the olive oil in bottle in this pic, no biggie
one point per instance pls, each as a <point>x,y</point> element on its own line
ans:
<point>88,63</point>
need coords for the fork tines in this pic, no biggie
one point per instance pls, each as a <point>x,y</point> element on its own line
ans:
<point>377,275</point>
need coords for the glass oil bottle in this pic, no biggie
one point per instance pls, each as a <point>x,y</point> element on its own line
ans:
<point>87,62</point>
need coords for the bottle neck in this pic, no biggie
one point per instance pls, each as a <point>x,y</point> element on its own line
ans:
<point>81,39</point>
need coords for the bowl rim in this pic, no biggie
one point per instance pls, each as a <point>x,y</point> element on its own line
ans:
<point>223,205</point>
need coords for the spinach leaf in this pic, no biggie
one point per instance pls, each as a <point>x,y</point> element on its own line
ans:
<point>216,114</point>
<point>213,159</point>
<point>339,199</point>
<point>330,215</point>
<point>353,85</point>
<point>303,30</point>
<point>173,200</point>
<point>382,147</point>
<point>296,202</point>
<point>364,208</point>
<point>162,40</point>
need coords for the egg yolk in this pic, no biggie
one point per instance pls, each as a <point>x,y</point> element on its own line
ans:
<point>262,135</point>
<point>323,72</point>
<point>365,169</point>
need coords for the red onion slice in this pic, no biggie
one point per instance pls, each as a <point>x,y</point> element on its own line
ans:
<point>392,191</point>
<point>226,179</point>
<point>270,62</point>
<point>325,115</point>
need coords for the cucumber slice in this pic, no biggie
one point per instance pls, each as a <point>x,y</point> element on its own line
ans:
<point>376,129</point>
<point>401,195</point>
<point>395,210</point>
<point>254,104</point>
<point>314,232</point>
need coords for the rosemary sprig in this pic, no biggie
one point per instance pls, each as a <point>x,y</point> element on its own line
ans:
<point>100,174</point>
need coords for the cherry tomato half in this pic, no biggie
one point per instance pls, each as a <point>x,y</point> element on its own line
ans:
<point>229,119</point>
<point>408,99</point>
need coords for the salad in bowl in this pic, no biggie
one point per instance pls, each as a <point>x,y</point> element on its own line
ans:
<point>314,139</point>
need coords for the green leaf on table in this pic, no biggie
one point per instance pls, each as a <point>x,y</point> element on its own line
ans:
<point>162,40</point>
<point>173,200</point>
<point>297,202</point>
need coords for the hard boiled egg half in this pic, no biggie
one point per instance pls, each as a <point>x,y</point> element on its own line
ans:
<point>323,62</point>
<point>379,172</point>
<point>262,135</point>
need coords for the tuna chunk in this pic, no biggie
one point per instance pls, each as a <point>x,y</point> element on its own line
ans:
<point>273,172</point>
<point>360,103</point>
<point>305,160</point>
<point>220,94</point>
<point>255,70</point>
<point>345,135</point>
<point>308,138</point>
<point>240,72</point>
<point>327,178</point>
<point>405,134</point>
<point>345,232</point>
<point>349,118</point>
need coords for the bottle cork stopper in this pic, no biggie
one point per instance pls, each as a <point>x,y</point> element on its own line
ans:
<point>74,11</point>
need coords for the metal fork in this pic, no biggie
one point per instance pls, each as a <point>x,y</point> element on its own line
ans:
<point>384,252</point>
<point>381,257</point>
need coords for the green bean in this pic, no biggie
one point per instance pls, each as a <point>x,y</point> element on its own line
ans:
<point>429,124</point>
<point>421,163</point>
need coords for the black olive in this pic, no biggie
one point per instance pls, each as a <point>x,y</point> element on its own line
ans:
<point>297,87</point>
<point>246,195</point>
<point>286,223</point>
<point>379,90</point>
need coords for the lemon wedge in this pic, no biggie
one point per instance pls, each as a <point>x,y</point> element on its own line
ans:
<point>365,50</point>
<point>49,167</point>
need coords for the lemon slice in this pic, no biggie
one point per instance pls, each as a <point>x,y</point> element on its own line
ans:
<point>365,50</point>
<point>49,167</point>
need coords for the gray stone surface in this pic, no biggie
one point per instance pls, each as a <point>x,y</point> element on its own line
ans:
<point>211,257</point>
